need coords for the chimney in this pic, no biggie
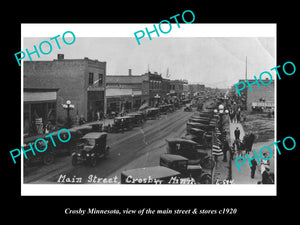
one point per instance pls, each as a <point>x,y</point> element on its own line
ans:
<point>60,56</point>
<point>129,72</point>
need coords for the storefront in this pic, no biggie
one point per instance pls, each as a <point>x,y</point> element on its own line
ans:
<point>122,99</point>
<point>39,109</point>
<point>95,104</point>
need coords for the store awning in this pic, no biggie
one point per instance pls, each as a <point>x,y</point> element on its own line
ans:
<point>38,95</point>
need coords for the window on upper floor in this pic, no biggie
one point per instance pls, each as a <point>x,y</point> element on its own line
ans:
<point>100,79</point>
<point>91,78</point>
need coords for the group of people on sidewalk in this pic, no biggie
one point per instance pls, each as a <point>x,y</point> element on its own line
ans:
<point>240,148</point>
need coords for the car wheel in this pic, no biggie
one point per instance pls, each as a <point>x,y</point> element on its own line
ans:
<point>48,159</point>
<point>205,179</point>
<point>74,160</point>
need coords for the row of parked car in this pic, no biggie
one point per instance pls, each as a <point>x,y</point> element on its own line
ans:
<point>188,157</point>
<point>88,141</point>
<point>134,119</point>
<point>93,144</point>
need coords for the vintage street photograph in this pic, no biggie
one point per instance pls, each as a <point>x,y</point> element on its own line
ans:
<point>164,112</point>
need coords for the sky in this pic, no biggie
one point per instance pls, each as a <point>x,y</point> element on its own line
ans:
<point>213,61</point>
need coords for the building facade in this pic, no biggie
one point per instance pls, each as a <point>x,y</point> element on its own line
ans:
<point>258,97</point>
<point>177,88</point>
<point>39,105</point>
<point>123,92</point>
<point>82,81</point>
<point>152,88</point>
<point>196,89</point>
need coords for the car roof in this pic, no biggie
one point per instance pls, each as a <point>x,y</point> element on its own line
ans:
<point>155,172</point>
<point>181,140</point>
<point>128,116</point>
<point>173,157</point>
<point>197,129</point>
<point>94,135</point>
<point>33,138</point>
<point>134,114</point>
<point>153,109</point>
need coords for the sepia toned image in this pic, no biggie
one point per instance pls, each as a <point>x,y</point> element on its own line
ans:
<point>166,112</point>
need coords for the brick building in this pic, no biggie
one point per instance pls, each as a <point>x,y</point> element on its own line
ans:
<point>82,81</point>
<point>152,88</point>
<point>177,88</point>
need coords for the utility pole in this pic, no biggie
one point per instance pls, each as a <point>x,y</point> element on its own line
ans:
<point>246,69</point>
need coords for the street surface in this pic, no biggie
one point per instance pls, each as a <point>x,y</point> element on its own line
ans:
<point>140,147</point>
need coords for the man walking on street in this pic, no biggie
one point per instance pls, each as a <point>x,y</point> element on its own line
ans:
<point>253,168</point>
<point>237,133</point>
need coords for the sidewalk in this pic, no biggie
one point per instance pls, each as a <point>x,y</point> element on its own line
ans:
<point>222,169</point>
<point>243,176</point>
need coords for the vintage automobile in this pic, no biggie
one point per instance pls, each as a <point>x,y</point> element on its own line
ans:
<point>171,107</point>
<point>91,147</point>
<point>199,120</point>
<point>153,113</point>
<point>138,118</point>
<point>201,126</point>
<point>149,175</point>
<point>188,108</point>
<point>68,147</point>
<point>46,157</point>
<point>121,123</point>
<point>190,150</point>
<point>199,136</point>
<point>204,114</point>
<point>180,164</point>
<point>96,126</point>
<point>163,109</point>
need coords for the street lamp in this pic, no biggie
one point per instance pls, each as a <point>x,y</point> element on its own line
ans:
<point>68,106</point>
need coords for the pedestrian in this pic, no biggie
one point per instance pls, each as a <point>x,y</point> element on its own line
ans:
<point>253,167</point>
<point>225,148</point>
<point>237,133</point>
<point>264,163</point>
<point>101,115</point>
<point>267,177</point>
<point>98,115</point>
<point>238,116</point>
<point>231,116</point>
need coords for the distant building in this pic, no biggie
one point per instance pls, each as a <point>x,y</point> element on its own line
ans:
<point>152,88</point>
<point>82,81</point>
<point>124,92</point>
<point>259,97</point>
<point>165,89</point>
<point>177,88</point>
<point>196,89</point>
